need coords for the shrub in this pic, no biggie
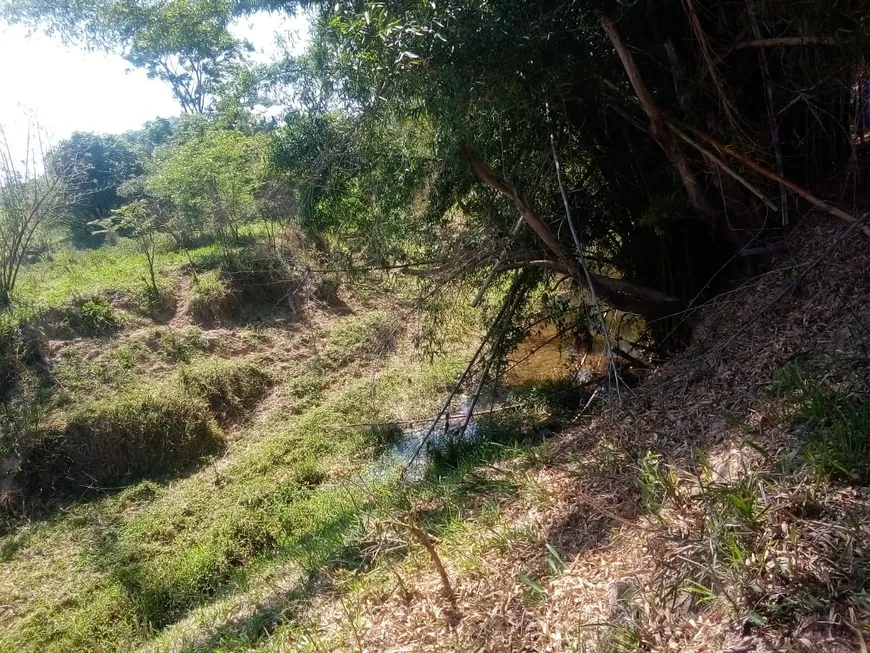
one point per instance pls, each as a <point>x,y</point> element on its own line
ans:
<point>11,358</point>
<point>92,316</point>
<point>211,298</point>
<point>98,317</point>
<point>230,389</point>
<point>262,276</point>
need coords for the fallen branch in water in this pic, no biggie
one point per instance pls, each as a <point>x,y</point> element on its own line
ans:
<point>492,329</point>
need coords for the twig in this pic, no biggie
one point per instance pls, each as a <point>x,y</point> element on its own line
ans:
<point>771,111</point>
<point>770,174</point>
<point>462,378</point>
<point>580,257</point>
<point>495,266</point>
<point>424,539</point>
<point>706,54</point>
<point>789,41</point>
<point>725,168</point>
<point>658,126</point>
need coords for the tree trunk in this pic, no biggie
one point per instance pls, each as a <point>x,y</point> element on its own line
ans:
<point>618,293</point>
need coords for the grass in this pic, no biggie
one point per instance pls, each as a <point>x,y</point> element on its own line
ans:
<point>230,389</point>
<point>103,272</point>
<point>116,439</point>
<point>168,550</point>
<point>837,423</point>
<point>211,297</point>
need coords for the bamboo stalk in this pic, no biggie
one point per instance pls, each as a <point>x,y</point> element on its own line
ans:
<point>770,174</point>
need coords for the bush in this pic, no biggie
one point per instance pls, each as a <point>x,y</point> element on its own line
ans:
<point>97,316</point>
<point>230,389</point>
<point>12,350</point>
<point>261,276</point>
<point>121,439</point>
<point>211,298</point>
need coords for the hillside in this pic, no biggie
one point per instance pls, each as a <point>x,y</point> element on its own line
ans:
<point>719,504</point>
<point>435,326</point>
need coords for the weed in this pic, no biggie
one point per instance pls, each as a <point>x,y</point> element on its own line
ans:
<point>121,438</point>
<point>656,483</point>
<point>177,346</point>
<point>11,358</point>
<point>837,423</point>
<point>371,335</point>
<point>97,316</point>
<point>383,434</point>
<point>552,396</point>
<point>498,432</point>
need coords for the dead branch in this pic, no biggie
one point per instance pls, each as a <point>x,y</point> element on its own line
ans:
<point>423,538</point>
<point>492,271</point>
<point>770,174</point>
<point>489,334</point>
<point>770,105</point>
<point>658,127</point>
<point>602,322</point>
<point>707,56</point>
<point>620,294</point>
<point>783,41</point>
<point>727,169</point>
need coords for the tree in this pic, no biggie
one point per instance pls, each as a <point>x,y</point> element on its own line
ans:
<point>100,165</point>
<point>29,196</point>
<point>185,43</point>
<point>210,182</point>
<point>141,219</point>
<point>646,142</point>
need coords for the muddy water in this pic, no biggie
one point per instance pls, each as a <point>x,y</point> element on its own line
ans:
<point>545,357</point>
<point>541,357</point>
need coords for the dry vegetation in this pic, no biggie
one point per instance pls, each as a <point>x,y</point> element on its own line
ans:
<point>721,507</point>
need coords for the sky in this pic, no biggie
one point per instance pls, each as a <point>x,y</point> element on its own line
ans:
<point>65,89</point>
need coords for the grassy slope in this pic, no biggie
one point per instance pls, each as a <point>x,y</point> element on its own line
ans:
<point>718,508</point>
<point>112,572</point>
<point>699,515</point>
<point>726,510</point>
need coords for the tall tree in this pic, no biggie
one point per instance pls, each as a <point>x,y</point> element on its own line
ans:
<point>93,166</point>
<point>185,43</point>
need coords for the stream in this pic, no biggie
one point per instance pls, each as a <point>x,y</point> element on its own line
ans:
<point>541,357</point>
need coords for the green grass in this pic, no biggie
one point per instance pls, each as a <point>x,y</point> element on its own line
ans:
<point>230,389</point>
<point>73,274</point>
<point>163,549</point>
<point>211,297</point>
<point>121,437</point>
<point>836,420</point>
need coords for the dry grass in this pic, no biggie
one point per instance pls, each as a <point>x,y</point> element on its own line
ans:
<point>689,518</point>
